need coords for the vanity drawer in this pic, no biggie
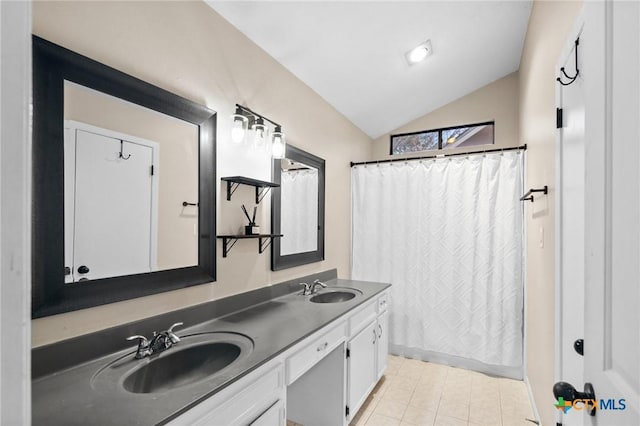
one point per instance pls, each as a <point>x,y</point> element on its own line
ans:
<point>383,302</point>
<point>240,403</point>
<point>362,318</point>
<point>300,362</point>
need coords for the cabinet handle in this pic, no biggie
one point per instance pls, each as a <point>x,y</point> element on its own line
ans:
<point>374,336</point>
<point>380,327</point>
<point>323,346</point>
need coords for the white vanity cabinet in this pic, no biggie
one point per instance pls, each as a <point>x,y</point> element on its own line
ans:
<point>322,380</point>
<point>275,415</point>
<point>257,399</point>
<point>382,343</point>
<point>361,365</point>
<point>367,351</point>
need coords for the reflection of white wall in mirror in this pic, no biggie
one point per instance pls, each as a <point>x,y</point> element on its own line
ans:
<point>178,140</point>
<point>299,211</point>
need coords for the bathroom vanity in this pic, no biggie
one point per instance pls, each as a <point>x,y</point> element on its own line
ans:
<point>311,359</point>
<point>260,357</point>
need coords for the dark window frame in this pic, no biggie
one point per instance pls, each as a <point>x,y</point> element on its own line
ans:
<point>440,130</point>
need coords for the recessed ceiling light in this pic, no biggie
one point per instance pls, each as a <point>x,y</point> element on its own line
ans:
<point>419,53</point>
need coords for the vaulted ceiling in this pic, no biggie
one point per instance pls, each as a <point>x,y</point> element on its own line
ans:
<point>352,53</point>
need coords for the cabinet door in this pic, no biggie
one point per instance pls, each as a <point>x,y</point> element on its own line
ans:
<point>362,366</point>
<point>274,416</point>
<point>383,343</point>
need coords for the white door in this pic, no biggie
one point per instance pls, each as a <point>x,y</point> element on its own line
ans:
<point>361,366</point>
<point>612,221</point>
<point>570,203</point>
<point>113,207</point>
<point>382,343</point>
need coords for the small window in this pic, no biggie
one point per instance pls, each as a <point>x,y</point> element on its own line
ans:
<point>445,138</point>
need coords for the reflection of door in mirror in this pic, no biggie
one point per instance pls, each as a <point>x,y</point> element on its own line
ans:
<point>299,208</point>
<point>120,219</point>
<point>97,163</point>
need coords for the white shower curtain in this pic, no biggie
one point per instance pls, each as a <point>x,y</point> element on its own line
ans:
<point>299,210</point>
<point>447,233</point>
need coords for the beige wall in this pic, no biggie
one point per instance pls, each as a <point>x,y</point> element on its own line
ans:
<point>177,169</point>
<point>188,49</point>
<point>496,101</point>
<point>549,27</point>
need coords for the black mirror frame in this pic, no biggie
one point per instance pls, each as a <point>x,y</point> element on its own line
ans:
<point>52,65</point>
<point>279,262</point>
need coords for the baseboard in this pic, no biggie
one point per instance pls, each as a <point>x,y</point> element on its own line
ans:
<point>532,400</point>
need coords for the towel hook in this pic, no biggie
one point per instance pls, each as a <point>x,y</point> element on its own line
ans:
<point>121,151</point>
<point>574,77</point>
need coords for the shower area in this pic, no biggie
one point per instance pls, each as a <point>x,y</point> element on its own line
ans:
<point>448,234</point>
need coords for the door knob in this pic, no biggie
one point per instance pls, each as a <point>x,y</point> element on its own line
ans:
<point>67,270</point>
<point>83,269</point>
<point>565,392</point>
<point>578,346</point>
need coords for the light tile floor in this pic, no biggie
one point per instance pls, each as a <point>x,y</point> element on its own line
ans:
<point>421,393</point>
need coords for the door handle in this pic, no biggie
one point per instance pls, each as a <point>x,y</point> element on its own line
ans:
<point>578,346</point>
<point>67,271</point>
<point>565,392</point>
<point>83,269</point>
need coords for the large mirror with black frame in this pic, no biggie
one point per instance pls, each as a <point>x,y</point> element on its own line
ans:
<point>123,185</point>
<point>297,209</point>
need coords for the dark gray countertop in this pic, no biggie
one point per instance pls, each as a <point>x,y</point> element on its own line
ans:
<point>70,397</point>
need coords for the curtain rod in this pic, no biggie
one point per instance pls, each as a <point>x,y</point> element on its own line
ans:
<point>393,160</point>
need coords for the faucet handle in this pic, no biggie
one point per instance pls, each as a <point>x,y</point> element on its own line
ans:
<point>142,341</point>
<point>307,288</point>
<point>144,346</point>
<point>174,339</point>
<point>318,282</point>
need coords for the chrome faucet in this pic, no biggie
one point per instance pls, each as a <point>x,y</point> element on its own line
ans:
<point>315,284</point>
<point>306,290</point>
<point>158,343</point>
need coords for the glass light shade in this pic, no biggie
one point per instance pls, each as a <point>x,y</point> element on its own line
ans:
<point>238,128</point>
<point>278,144</point>
<point>260,134</point>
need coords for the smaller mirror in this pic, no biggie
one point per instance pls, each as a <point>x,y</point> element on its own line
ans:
<point>297,209</point>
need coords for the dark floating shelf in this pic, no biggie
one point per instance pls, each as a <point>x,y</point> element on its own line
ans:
<point>264,240</point>
<point>262,187</point>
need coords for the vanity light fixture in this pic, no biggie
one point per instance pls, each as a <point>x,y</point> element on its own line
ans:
<point>278,144</point>
<point>239,127</point>
<point>260,133</point>
<point>245,119</point>
<point>419,53</point>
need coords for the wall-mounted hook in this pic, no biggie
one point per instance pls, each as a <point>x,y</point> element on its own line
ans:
<point>529,195</point>
<point>121,151</point>
<point>574,77</point>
